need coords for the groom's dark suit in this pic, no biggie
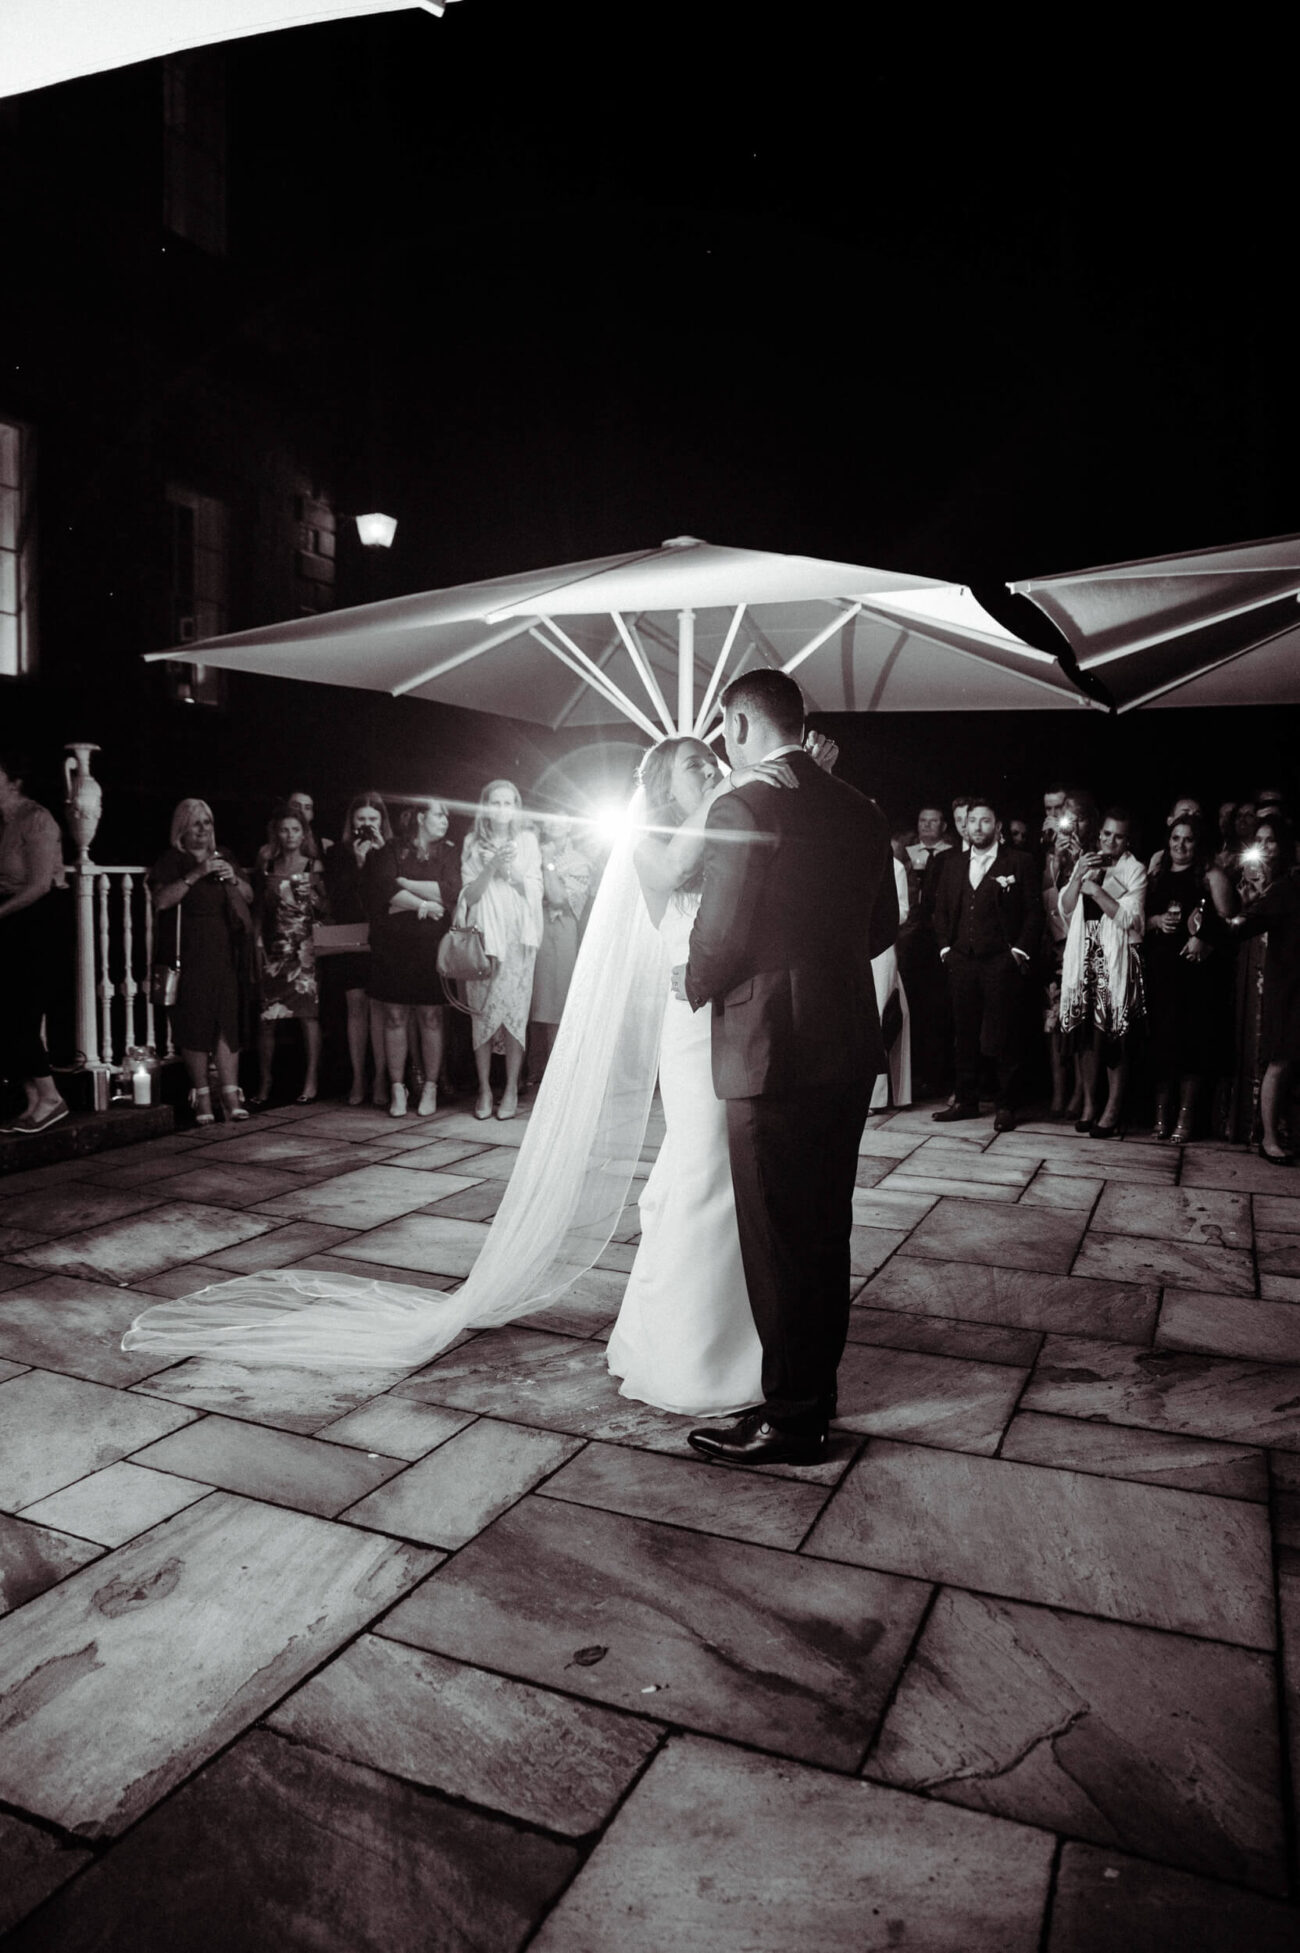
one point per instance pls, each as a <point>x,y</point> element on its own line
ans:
<point>799,895</point>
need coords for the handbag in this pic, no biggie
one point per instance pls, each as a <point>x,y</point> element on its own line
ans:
<point>463,957</point>
<point>165,978</point>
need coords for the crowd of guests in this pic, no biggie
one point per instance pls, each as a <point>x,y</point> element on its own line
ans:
<point>1168,982</point>
<point>1038,956</point>
<point>366,914</point>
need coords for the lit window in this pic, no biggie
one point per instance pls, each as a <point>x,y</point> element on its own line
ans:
<point>200,582</point>
<point>194,149</point>
<point>17,550</point>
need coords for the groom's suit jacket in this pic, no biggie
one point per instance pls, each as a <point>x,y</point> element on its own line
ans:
<point>799,895</point>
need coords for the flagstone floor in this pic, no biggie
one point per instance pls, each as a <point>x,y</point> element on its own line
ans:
<point>483,1656</point>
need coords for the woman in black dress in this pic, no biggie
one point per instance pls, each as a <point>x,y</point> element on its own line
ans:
<point>31,864</point>
<point>203,884</point>
<point>1275,910</point>
<point>366,829</point>
<point>1188,971</point>
<point>411,889</point>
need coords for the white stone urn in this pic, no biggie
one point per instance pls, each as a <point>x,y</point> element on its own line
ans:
<point>85,800</point>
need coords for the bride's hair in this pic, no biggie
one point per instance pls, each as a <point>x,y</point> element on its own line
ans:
<point>655,776</point>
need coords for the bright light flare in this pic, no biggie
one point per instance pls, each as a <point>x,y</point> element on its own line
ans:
<point>612,820</point>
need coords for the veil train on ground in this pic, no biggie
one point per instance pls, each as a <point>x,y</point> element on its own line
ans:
<point>562,1203</point>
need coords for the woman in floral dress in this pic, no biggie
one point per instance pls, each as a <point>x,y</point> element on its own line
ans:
<point>501,874</point>
<point>290,899</point>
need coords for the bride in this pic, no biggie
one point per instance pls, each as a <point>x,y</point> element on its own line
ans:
<point>685,1339</point>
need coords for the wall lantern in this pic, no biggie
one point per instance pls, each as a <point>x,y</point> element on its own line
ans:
<point>377,531</point>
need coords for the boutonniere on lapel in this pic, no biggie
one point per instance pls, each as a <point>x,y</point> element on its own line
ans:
<point>1005,881</point>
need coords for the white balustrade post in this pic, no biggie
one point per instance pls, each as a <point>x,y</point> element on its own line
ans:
<point>130,987</point>
<point>150,1031</point>
<point>105,980</point>
<point>87,1026</point>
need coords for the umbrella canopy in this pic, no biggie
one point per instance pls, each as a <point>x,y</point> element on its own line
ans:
<point>653,636</point>
<point>47,41</point>
<point>1217,627</point>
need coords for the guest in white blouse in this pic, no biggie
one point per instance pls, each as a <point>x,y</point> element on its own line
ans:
<point>1102,1005</point>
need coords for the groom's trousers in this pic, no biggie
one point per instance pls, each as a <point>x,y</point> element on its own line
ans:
<point>793,1165</point>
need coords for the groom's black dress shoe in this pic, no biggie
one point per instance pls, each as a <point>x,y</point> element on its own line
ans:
<point>956,1112</point>
<point>751,1440</point>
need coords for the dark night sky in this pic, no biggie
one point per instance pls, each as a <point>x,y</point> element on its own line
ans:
<point>927,302</point>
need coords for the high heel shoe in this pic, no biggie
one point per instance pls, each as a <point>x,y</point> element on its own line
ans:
<point>232,1103</point>
<point>483,1106</point>
<point>1097,1131</point>
<point>1084,1125</point>
<point>397,1103</point>
<point>201,1105</point>
<point>428,1101</point>
<point>509,1105</point>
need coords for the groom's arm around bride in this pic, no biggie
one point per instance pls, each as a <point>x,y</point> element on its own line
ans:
<point>798,897</point>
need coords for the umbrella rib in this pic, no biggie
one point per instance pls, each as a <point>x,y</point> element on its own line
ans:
<point>644,671</point>
<point>1218,664</point>
<point>984,658</point>
<point>711,689</point>
<point>815,643</point>
<point>1154,638</point>
<point>406,685</point>
<point>580,663</point>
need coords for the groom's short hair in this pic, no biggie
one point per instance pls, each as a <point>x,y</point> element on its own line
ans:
<point>769,695</point>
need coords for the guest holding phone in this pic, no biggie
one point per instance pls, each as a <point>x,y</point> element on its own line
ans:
<point>201,887</point>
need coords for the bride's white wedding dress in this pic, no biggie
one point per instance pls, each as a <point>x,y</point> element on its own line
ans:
<point>685,1339</point>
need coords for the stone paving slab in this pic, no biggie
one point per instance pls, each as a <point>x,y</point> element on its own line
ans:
<point>33,1557</point>
<point>395,1427</point>
<point>871,1247</point>
<point>56,1429</point>
<point>223,1182</point>
<point>952,1186</point>
<point>1176,1214</point>
<point>889,1207</point>
<point>1063,1305</point>
<point>927,1399</point>
<point>1279,1253</point>
<point>726,1637</point>
<point>57,1322</point>
<point>72,1207</point>
<point>450,1496</point>
<point>314,1852</point>
<point>280,1248</point>
<point>1227,1325</point>
<point>943,1335</point>
<point>541,1758</point>
<point>35,1864</point>
<point>1152,1457</point>
<point>1277,1213</point>
<point>730,1504</point>
<point>116,1504</point>
<point>1169,1390</point>
<point>1108,1903</point>
<point>143,1244</point>
<point>1062,1190</point>
<point>1040,1238</point>
<point>1236,1173</point>
<point>117,1683</point>
<point>431,1243</point>
<point>1176,1264</point>
<point>478,1202</point>
<point>1153,1556</point>
<point>277,1466</point>
<point>733,1853</point>
<point>264,1393</point>
<point>1155,1743</point>
<point>364,1198</point>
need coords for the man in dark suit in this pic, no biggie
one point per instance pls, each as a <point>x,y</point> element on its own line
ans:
<point>988,921</point>
<point>799,895</point>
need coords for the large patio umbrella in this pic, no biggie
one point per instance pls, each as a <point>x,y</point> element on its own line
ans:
<point>1216,627</point>
<point>48,41</point>
<point>653,635</point>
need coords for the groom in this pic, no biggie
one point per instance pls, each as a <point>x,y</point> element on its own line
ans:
<point>799,895</point>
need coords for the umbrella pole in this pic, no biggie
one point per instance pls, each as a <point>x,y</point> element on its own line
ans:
<point>685,671</point>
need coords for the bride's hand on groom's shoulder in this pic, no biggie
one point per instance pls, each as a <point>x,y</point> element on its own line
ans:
<point>768,773</point>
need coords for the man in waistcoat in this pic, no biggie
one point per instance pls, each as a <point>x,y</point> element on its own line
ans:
<point>988,921</point>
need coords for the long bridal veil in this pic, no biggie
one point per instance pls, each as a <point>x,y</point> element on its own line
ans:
<point>561,1206</point>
